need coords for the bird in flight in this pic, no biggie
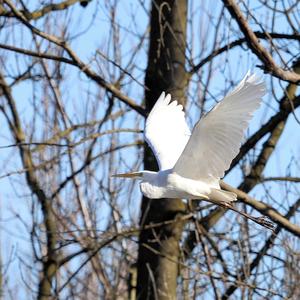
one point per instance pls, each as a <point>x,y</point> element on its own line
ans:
<point>191,164</point>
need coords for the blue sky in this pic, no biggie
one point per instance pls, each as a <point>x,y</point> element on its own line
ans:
<point>90,28</point>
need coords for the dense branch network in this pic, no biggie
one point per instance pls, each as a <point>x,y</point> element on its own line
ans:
<point>68,156</point>
<point>253,43</point>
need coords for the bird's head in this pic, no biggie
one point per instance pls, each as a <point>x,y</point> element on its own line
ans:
<point>148,184</point>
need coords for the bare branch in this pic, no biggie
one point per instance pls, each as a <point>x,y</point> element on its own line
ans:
<point>283,178</point>
<point>77,62</point>
<point>37,14</point>
<point>261,253</point>
<point>253,43</point>
<point>265,209</point>
<point>49,264</point>
<point>239,42</point>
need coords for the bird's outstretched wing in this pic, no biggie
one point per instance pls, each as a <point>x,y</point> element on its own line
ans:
<point>217,137</point>
<point>166,131</point>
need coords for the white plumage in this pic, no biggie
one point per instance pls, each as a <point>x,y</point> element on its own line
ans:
<point>191,165</point>
<point>166,131</point>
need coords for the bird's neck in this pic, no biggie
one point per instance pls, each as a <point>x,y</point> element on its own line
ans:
<point>153,184</point>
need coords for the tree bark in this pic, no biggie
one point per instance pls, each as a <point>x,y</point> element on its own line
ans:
<point>159,251</point>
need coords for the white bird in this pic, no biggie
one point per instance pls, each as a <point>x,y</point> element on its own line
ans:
<point>191,165</point>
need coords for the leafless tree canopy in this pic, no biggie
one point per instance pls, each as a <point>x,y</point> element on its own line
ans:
<point>77,79</point>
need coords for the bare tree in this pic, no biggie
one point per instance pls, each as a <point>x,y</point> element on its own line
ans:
<point>77,80</point>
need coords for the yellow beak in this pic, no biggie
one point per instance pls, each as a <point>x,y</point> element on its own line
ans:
<point>129,175</point>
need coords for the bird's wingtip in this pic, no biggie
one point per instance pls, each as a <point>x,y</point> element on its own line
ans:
<point>162,96</point>
<point>253,77</point>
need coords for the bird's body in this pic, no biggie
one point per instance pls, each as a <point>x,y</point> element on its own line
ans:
<point>191,164</point>
<point>167,184</point>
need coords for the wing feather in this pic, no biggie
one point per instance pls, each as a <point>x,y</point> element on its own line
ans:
<point>217,137</point>
<point>166,131</point>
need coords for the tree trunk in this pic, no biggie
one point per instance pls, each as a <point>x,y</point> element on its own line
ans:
<point>159,251</point>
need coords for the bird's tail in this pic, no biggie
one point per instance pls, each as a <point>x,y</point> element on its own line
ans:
<point>218,196</point>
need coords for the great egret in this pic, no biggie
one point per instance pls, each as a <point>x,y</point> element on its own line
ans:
<point>191,165</point>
